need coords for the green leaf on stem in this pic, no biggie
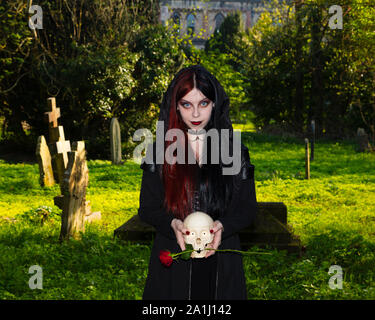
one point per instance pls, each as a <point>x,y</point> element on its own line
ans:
<point>187,252</point>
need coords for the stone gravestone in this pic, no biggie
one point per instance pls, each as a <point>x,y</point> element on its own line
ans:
<point>62,147</point>
<point>53,114</point>
<point>115,138</point>
<point>76,210</point>
<point>363,141</point>
<point>269,229</point>
<point>74,187</point>
<point>43,156</point>
<point>58,146</point>
<point>58,163</point>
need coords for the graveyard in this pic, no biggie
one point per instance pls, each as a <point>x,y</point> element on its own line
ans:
<point>332,214</point>
<point>79,78</point>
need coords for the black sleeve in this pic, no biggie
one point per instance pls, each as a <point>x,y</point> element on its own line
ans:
<point>151,209</point>
<point>245,209</point>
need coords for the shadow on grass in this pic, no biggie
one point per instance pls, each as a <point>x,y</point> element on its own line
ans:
<point>348,249</point>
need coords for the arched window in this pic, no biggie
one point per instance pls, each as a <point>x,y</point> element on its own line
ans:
<point>190,23</point>
<point>218,21</point>
<point>176,20</point>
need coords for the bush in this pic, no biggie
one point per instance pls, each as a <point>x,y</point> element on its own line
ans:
<point>40,215</point>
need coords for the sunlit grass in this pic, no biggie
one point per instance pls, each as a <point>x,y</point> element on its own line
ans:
<point>333,213</point>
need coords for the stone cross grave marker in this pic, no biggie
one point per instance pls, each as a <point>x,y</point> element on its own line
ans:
<point>59,147</point>
<point>43,152</point>
<point>53,114</point>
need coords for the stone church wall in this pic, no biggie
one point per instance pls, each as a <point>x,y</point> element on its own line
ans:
<point>207,15</point>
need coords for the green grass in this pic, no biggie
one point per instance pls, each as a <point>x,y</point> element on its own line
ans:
<point>333,213</point>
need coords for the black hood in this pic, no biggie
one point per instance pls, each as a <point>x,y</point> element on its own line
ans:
<point>214,188</point>
<point>220,114</point>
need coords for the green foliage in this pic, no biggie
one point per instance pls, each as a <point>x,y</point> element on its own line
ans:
<point>297,69</point>
<point>226,38</point>
<point>219,64</point>
<point>332,213</point>
<point>40,215</point>
<point>15,45</point>
<point>101,59</point>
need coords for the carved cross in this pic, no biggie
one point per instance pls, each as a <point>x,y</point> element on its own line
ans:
<point>53,114</point>
<point>63,147</point>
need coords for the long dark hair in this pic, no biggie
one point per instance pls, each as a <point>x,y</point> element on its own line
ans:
<point>179,179</point>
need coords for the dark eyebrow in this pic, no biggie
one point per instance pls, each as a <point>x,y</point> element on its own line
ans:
<point>184,101</point>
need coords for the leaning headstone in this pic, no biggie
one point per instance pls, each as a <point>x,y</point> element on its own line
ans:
<point>73,199</point>
<point>74,187</point>
<point>43,156</point>
<point>115,137</point>
<point>363,141</point>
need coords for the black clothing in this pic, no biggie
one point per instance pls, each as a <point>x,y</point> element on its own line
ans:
<point>203,277</point>
<point>203,282</point>
<point>221,276</point>
<point>174,282</point>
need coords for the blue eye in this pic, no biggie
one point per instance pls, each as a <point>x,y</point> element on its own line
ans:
<point>185,105</point>
<point>204,103</point>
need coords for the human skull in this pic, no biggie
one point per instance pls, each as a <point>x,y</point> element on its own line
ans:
<point>199,225</point>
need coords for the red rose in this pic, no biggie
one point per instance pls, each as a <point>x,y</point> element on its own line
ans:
<point>165,258</point>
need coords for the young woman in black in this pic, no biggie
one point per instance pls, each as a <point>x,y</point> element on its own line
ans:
<point>195,102</point>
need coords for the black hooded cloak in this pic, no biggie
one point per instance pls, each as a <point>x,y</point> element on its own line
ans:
<point>175,282</point>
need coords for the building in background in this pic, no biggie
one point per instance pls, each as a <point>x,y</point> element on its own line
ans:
<point>202,18</point>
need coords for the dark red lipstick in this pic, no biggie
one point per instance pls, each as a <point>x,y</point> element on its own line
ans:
<point>196,123</point>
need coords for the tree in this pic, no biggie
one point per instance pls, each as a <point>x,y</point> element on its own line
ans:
<point>297,68</point>
<point>90,56</point>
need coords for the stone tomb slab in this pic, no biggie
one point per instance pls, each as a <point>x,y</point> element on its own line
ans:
<point>269,229</point>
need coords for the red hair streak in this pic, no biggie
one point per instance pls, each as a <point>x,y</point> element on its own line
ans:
<point>178,179</point>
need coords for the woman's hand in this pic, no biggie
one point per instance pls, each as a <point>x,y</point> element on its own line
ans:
<point>179,230</point>
<point>217,231</point>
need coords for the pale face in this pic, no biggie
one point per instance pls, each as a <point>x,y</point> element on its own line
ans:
<point>195,109</point>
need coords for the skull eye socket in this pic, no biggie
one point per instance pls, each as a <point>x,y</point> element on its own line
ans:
<point>192,233</point>
<point>204,233</point>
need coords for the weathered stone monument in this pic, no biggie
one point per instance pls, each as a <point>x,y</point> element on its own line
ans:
<point>74,187</point>
<point>44,159</point>
<point>115,139</point>
<point>58,163</point>
<point>58,146</point>
<point>76,210</point>
<point>270,228</point>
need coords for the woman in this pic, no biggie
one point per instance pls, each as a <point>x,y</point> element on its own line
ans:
<point>170,191</point>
